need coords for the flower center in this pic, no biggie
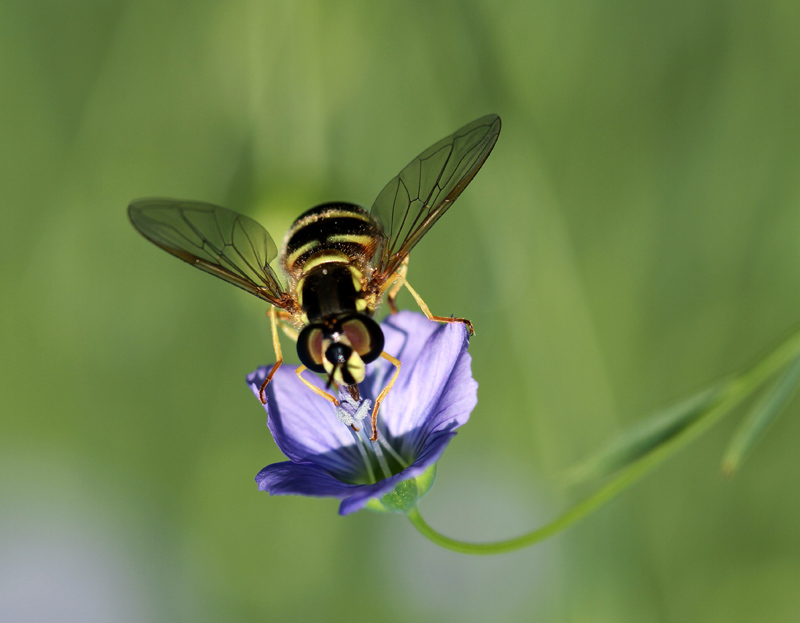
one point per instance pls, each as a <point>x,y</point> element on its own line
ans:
<point>381,459</point>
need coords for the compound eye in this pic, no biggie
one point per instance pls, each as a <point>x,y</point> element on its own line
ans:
<point>309,348</point>
<point>365,336</point>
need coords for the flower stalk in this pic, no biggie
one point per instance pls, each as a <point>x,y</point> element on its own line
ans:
<point>731,395</point>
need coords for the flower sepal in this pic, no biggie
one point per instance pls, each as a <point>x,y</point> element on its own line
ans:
<point>405,494</point>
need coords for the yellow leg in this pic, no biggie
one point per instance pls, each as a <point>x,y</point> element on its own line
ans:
<point>276,318</point>
<point>315,389</point>
<point>286,327</point>
<point>382,395</point>
<point>401,280</point>
<point>276,345</point>
<point>397,284</point>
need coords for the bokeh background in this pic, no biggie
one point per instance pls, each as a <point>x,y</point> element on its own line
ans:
<point>633,237</point>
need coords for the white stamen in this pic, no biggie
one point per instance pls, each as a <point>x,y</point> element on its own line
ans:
<point>363,452</point>
<point>363,410</point>
<point>348,399</point>
<point>387,473</point>
<point>343,416</point>
<point>382,440</point>
<point>350,411</point>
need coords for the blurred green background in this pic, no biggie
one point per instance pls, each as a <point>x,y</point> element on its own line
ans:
<point>632,237</point>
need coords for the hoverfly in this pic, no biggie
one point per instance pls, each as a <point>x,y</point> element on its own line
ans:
<point>339,259</point>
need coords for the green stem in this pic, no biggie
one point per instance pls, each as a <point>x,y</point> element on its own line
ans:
<point>737,390</point>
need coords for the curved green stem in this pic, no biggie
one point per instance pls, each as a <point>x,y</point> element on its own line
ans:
<point>736,390</point>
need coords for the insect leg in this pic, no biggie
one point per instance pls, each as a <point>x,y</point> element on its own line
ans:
<point>398,283</point>
<point>402,280</point>
<point>276,345</point>
<point>382,395</point>
<point>315,389</point>
<point>286,327</point>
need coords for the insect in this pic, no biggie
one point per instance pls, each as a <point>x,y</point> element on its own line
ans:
<point>340,260</point>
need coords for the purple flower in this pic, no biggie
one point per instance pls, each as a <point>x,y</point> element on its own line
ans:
<point>434,395</point>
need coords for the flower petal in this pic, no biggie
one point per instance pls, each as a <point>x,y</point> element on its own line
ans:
<point>289,478</point>
<point>406,334</point>
<point>435,384</point>
<point>304,425</point>
<point>456,402</point>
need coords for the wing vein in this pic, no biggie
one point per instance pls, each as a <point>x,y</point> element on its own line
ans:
<point>438,175</point>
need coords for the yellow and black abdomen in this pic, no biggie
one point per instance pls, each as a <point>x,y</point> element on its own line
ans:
<point>330,232</point>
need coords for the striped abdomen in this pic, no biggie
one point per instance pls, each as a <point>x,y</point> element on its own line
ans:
<point>345,229</point>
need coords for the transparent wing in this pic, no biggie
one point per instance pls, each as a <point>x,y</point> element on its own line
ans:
<point>219,241</point>
<point>413,201</point>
